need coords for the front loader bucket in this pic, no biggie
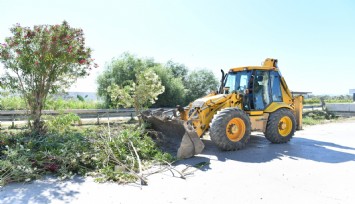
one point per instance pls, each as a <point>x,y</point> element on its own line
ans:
<point>178,137</point>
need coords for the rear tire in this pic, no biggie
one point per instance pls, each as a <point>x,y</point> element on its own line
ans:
<point>230,129</point>
<point>281,126</point>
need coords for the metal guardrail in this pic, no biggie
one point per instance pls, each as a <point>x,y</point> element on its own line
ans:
<point>22,115</point>
<point>98,114</point>
<point>18,115</point>
<point>312,107</point>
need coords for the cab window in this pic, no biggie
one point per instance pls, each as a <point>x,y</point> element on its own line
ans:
<point>276,94</point>
<point>237,81</point>
<point>261,90</point>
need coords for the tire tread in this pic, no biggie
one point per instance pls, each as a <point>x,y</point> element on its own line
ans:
<point>218,129</point>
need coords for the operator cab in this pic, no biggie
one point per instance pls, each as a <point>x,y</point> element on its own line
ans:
<point>258,87</point>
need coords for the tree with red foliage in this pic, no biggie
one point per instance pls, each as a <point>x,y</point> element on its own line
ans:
<point>43,60</point>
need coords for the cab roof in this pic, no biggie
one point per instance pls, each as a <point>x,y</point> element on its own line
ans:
<point>238,69</point>
<point>269,64</point>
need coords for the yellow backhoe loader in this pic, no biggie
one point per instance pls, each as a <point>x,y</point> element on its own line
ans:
<point>252,98</point>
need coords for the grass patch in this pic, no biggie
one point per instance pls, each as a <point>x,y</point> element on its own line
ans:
<point>311,121</point>
<point>317,117</point>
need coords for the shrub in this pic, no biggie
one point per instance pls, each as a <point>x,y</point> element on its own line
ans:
<point>107,154</point>
<point>316,117</point>
<point>118,150</point>
<point>16,165</point>
<point>61,122</point>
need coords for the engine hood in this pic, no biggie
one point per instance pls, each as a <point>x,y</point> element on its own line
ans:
<point>201,102</point>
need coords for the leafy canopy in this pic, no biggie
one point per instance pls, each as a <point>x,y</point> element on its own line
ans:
<point>121,71</point>
<point>125,69</point>
<point>45,56</point>
<point>174,93</point>
<point>140,94</point>
<point>181,87</point>
<point>199,83</point>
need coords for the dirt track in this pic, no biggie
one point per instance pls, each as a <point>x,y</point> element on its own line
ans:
<point>317,166</point>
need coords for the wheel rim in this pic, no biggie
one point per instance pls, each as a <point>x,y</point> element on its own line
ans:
<point>285,126</point>
<point>235,129</point>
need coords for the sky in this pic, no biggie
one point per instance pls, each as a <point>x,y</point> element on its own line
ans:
<point>314,41</point>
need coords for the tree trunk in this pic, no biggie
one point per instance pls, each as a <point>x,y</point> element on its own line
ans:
<point>36,114</point>
<point>137,109</point>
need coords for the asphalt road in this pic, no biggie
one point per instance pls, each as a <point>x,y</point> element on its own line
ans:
<point>317,166</point>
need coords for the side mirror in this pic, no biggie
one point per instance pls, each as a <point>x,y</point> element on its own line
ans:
<point>226,90</point>
<point>221,89</point>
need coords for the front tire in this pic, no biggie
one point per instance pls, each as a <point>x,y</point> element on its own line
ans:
<point>230,129</point>
<point>281,126</point>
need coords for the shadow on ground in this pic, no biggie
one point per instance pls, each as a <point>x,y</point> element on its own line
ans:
<point>260,150</point>
<point>40,191</point>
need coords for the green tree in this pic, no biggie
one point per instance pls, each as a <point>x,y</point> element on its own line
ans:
<point>142,92</point>
<point>199,83</point>
<point>178,70</point>
<point>174,93</point>
<point>121,71</point>
<point>43,60</point>
<point>125,69</point>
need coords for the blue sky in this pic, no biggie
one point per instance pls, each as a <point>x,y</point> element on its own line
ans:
<point>314,41</point>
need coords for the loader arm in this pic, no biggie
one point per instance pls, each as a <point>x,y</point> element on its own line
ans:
<point>202,110</point>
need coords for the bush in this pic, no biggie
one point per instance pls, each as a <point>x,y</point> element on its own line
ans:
<point>319,115</point>
<point>16,165</point>
<point>119,161</point>
<point>316,117</point>
<point>61,122</point>
<point>26,157</point>
<point>107,154</point>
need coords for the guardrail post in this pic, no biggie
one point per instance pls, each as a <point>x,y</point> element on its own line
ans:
<point>322,103</point>
<point>98,119</point>
<point>13,121</point>
<point>108,117</point>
